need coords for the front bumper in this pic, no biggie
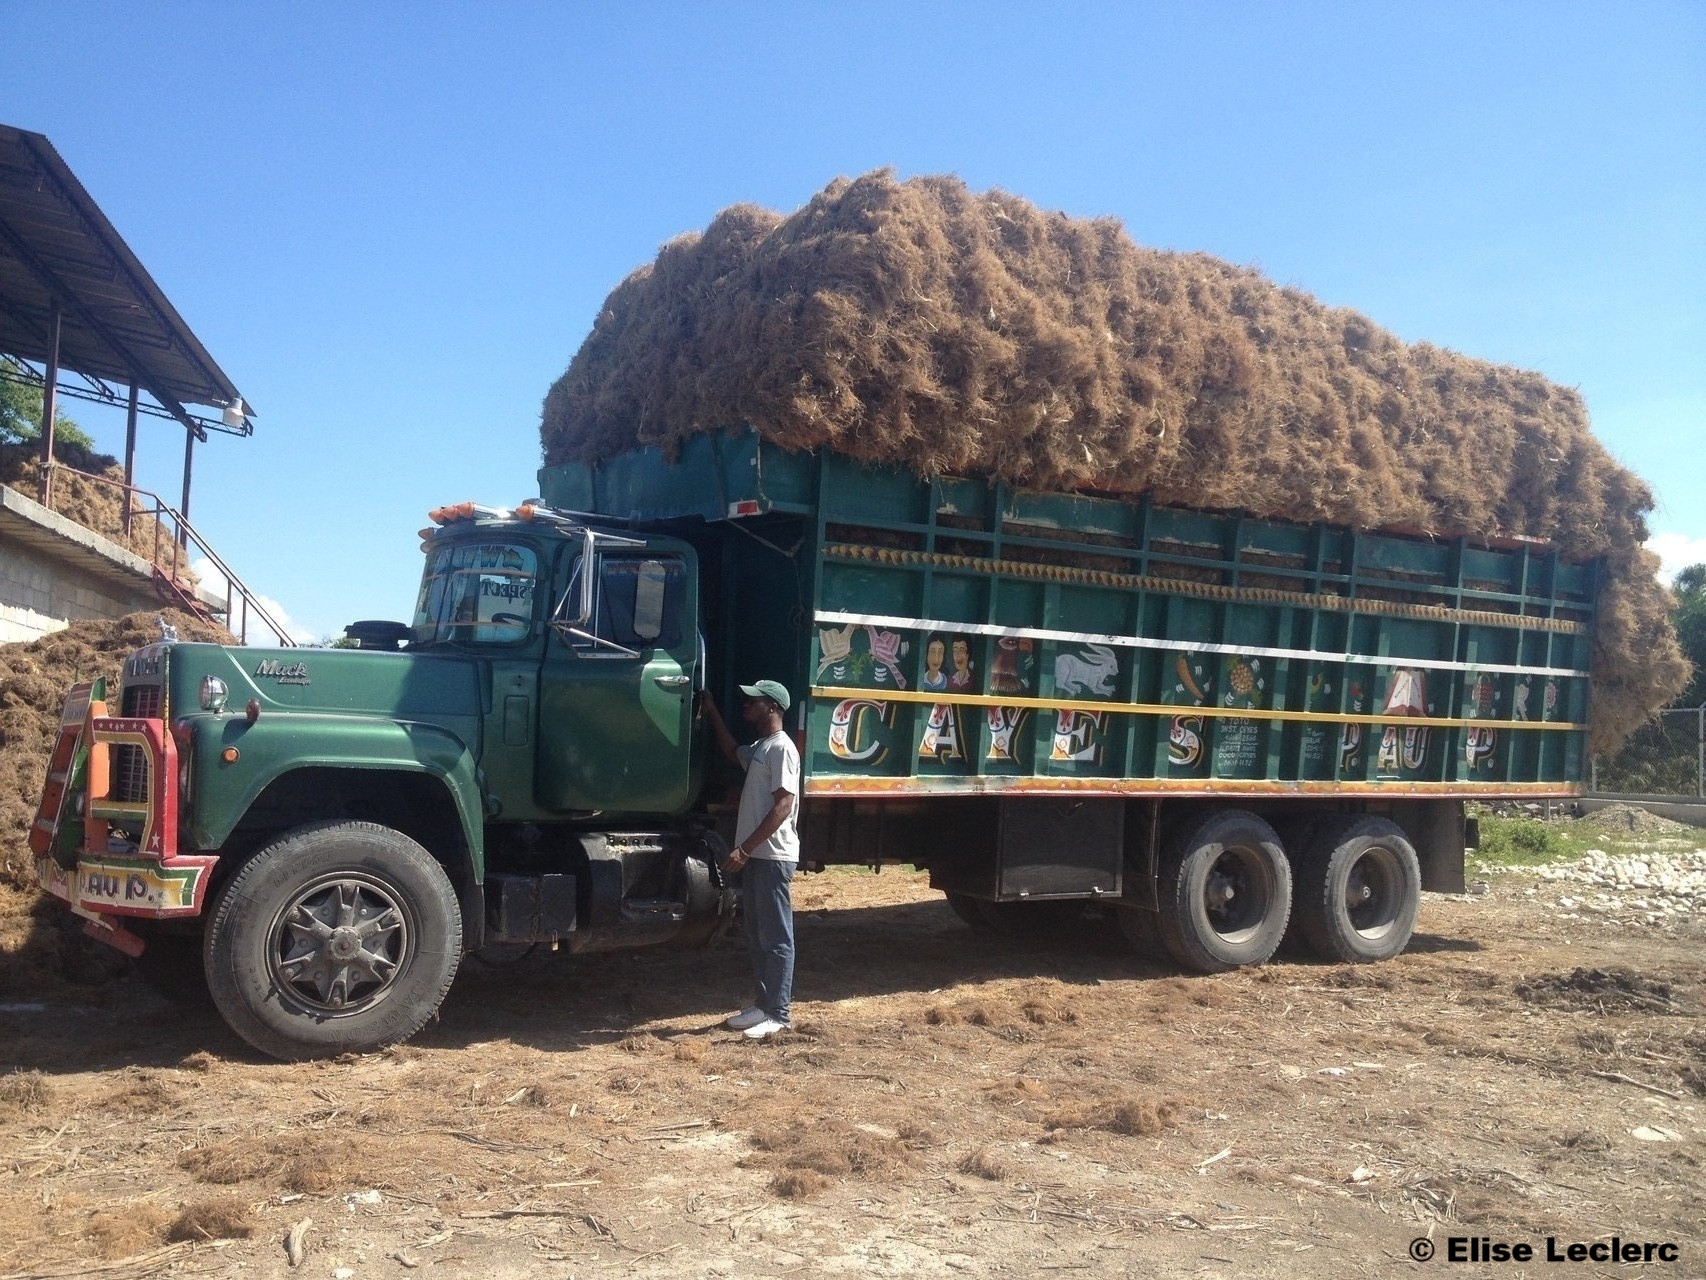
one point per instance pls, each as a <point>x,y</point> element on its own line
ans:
<point>124,885</point>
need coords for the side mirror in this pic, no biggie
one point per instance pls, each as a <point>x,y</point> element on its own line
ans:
<point>648,600</point>
<point>648,603</point>
<point>560,616</point>
<point>587,586</point>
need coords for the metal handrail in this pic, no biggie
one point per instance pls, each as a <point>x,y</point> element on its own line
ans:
<point>185,533</point>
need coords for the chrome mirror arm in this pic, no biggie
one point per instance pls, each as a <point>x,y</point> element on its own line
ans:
<point>571,632</point>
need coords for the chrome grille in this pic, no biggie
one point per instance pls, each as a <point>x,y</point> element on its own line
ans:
<point>142,701</point>
<point>130,764</point>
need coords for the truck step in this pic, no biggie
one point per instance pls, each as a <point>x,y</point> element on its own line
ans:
<point>637,910</point>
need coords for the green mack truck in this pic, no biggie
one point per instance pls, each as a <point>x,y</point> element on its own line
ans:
<point>1209,727</point>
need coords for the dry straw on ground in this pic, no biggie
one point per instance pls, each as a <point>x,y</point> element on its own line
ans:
<point>45,949</point>
<point>34,679</point>
<point>221,1219</point>
<point>919,323</point>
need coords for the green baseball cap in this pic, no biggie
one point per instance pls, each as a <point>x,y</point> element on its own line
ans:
<point>771,689</point>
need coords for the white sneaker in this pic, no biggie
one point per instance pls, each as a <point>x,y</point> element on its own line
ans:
<point>769,1027</point>
<point>748,1017</point>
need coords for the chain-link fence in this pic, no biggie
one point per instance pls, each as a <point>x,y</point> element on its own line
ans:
<point>1664,758</point>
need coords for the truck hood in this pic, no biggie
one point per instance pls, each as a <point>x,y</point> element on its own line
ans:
<point>441,687</point>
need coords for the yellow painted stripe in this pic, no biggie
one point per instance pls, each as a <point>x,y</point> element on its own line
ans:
<point>117,810</point>
<point>1158,709</point>
<point>855,785</point>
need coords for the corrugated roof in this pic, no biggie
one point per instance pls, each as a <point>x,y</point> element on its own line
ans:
<point>116,324</point>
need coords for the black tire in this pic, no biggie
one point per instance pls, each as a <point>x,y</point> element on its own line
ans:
<point>340,937</point>
<point>1225,893</point>
<point>1359,888</point>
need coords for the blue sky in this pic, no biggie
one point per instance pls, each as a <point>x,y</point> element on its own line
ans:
<point>392,225</point>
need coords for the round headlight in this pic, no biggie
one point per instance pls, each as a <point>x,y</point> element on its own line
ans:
<point>213,693</point>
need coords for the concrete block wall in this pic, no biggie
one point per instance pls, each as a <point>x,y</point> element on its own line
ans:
<point>39,595</point>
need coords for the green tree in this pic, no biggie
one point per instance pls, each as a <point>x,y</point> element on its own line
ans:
<point>20,412</point>
<point>1662,757</point>
<point>1690,619</point>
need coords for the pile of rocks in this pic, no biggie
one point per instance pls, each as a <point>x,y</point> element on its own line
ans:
<point>1648,887</point>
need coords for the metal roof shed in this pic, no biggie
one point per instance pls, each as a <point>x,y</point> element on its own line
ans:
<point>74,297</point>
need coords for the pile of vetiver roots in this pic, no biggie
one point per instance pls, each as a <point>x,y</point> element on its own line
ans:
<point>923,325</point>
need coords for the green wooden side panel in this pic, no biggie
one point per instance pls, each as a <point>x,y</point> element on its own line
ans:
<point>1075,638</point>
<point>710,476</point>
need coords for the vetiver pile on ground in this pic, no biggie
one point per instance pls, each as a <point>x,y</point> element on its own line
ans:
<point>920,324</point>
<point>34,679</point>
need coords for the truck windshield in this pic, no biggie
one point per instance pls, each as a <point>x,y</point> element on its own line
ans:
<point>481,593</point>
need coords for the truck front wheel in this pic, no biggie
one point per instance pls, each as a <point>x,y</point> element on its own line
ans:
<point>1359,888</point>
<point>340,937</point>
<point>1224,893</point>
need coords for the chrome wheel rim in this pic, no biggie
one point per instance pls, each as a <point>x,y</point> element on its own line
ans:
<point>1235,894</point>
<point>1373,889</point>
<point>339,944</point>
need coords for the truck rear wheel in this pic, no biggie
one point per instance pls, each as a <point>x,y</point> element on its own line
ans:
<point>1225,893</point>
<point>340,937</point>
<point>1359,888</point>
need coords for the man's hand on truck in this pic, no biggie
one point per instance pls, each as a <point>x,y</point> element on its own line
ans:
<point>719,728</point>
<point>782,804</point>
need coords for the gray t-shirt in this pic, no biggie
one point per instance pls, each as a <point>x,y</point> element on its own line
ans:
<point>772,765</point>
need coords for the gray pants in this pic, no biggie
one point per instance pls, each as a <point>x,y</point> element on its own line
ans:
<point>769,914</point>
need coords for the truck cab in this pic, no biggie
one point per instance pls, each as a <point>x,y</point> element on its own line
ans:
<point>329,830</point>
<point>588,674</point>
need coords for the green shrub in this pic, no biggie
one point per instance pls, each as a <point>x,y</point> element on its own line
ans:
<point>1524,842</point>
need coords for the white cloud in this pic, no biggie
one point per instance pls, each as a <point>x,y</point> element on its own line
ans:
<point>1676,551</point>
<point>259,632</point>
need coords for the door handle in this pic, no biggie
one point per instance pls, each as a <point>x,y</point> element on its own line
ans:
<point>672,682</point>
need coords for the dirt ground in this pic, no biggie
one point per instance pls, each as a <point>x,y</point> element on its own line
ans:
<point>949,1104</point>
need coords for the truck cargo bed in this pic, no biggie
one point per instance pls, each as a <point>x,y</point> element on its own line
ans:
<point>957,636</point>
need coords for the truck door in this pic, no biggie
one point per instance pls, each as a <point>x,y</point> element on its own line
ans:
<point>616,697</point>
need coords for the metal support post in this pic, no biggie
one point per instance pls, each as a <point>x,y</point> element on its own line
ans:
<point>184,505</point>
<point>129,455</point>
<point>49,405</point>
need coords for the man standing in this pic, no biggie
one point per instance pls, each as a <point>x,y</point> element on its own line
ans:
<point>767,849</point>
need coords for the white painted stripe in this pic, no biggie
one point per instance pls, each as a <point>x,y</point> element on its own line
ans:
<point>1187,646</point>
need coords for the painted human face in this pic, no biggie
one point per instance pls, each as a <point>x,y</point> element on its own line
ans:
<point>933,654</point>
<point>962,655</point>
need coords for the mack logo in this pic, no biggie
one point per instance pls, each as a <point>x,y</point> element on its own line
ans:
<point>144,662</point>
<point>284,673</point>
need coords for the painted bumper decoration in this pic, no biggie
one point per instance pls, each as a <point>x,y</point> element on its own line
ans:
<point>79,860</point>
<point>129,886</point>
<point>154,811</point>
